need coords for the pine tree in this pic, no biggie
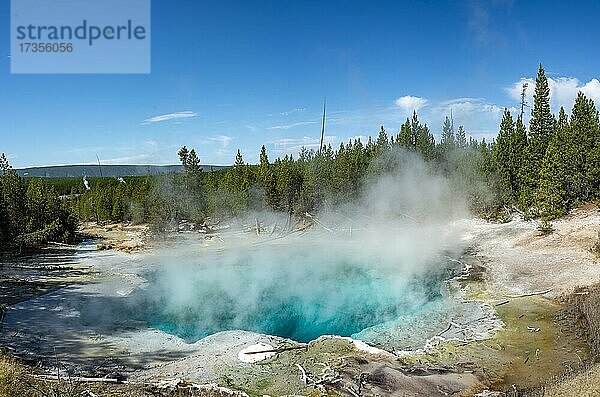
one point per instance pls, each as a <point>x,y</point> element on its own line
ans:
<point>239,160</point>
<point>241,180</point>
<point>189,160</point>
<point>4,221</point>
<point>4,165</point>
<point>586,134</point>
<point>382,142</point>
<point>272,195</point>
<point>518,148</point>
<point>425,142</point>
<point>370,149</point>
<point>46,219</point>
<point>417,136</point>
<point>191,178</point>
<point>358,163</point>
<point>289,181</point>
<point>461,137</point>
<point>593,164</point>
<point>447,140</point>
<point>13,203</point>
<point>404,138</point>
<point>264,166</point>
<point>119,206</point>
<point>555,193</point>
<point>305,155</point>
<point>415,127</point>
<point>485,170</point>
<point>183,154</point>
<point>501,154</point>
<point>193,162</point>
<point>541,126</point>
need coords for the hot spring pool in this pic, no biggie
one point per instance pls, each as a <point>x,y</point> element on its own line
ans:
<point>298,293</point>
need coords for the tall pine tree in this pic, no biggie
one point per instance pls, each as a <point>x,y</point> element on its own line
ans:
<point>447,139</point>
<point>405,138</point>
<point>501,155</point>
<point>541,124</point>
<point>555,193</point>
<point>585,128</point>
<point>461,137</point>
<point>518,147</point>
<point>541,127</point>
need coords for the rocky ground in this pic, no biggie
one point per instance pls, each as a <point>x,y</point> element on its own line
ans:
<point>519,258</point>
<point>541,285</point>
<point>529,279</point>
<point>119,236</point>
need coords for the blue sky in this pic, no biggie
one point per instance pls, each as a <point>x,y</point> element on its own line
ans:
<point>228,75</point>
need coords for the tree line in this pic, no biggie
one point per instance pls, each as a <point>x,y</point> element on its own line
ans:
<point>541,171</point>
<point>555,165</point>
<point>31,212</point>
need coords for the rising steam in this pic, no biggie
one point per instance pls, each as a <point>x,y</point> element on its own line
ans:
<point>358,266</point>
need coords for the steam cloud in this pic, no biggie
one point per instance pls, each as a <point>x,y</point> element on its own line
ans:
<point>358,266</point>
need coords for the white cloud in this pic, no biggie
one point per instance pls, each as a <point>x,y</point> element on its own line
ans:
<point>563,91</point>
<point>170,116</point>
<point>292,125</point>
<point>592,90</point>
<point>224,140</point>
<point>467,108</point>
<point>296,110</point>
<point>294,145</point>
<point>409,103</point>
<point>479,117</point>
<point>283,146</point>
<point>142,158</point>
<point>285,143</point>
<point>150,151</point>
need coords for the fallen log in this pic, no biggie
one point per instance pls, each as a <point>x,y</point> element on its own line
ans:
<point>78,379</point>
<point>283,349</point>
<point>59,244</point>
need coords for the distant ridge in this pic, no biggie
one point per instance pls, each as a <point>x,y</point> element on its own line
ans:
<point>112,171</point>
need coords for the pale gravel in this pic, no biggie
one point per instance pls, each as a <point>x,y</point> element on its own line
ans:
<point>520,260</point>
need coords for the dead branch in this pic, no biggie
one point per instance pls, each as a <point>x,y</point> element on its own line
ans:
<point>318,222</point>
<point>303,372</point>
<point>350,389</point>
<point>530,294</point>
<point>2,314</point>
<point>446,330</point>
